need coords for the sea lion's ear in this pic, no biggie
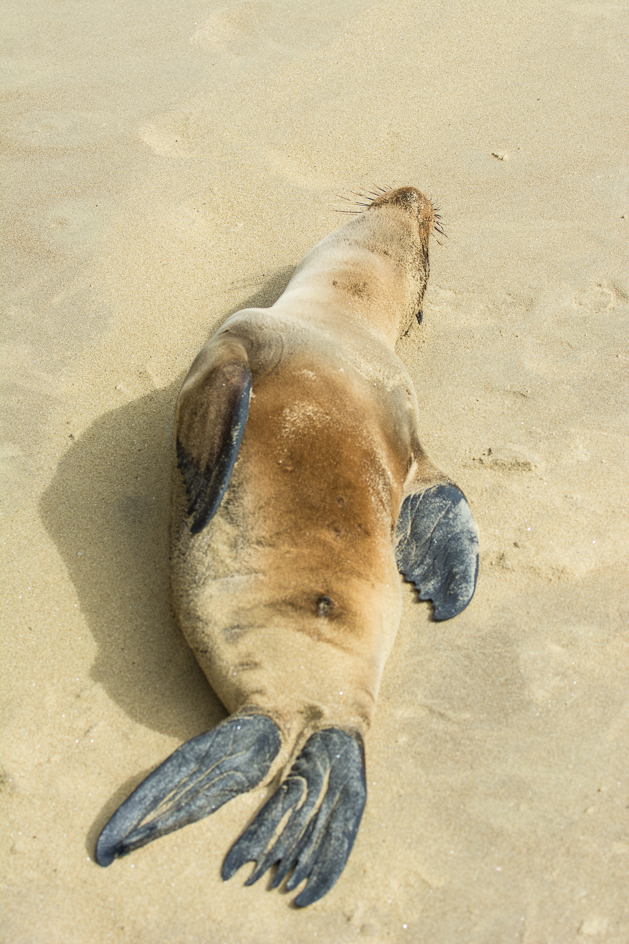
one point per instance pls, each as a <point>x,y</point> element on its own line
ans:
<point>437,548</point>
<point>211,415</point>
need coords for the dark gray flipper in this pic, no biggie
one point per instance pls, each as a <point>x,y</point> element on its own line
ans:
<point>325,794</point>
<point>196,780</point>
<point>437,548</point>
<point>208,444</point>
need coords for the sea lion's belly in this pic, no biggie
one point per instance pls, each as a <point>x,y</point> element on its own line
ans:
<point>296,594</point>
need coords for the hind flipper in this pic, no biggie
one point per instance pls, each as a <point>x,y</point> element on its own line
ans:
<point>212,411</point>
<point>201,775</point>
<point>325,794</point>
<point>437,548</point>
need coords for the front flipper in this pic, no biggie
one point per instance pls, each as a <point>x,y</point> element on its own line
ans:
<point>211,416</point>
<point>325,794</point>
<point>196,780</point>
<point>437,548</point>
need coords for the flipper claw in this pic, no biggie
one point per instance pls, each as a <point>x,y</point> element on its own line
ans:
<point>325,794</point>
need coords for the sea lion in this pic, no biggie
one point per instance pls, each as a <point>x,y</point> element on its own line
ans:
<point>301,489</point>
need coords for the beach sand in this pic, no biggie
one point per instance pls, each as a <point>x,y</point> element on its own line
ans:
<point>167,164</point>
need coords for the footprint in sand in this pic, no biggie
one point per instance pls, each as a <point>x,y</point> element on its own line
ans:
<point>599,297</point>
<point>510,458</point>
<point>178,133</point>
<point>230,25</point>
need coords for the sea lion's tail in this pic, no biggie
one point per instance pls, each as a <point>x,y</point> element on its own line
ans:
<point>201,775</point>
<point>323,797</point>
<point>325,794</point>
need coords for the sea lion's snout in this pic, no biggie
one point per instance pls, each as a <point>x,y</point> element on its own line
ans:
<point>412,201</point>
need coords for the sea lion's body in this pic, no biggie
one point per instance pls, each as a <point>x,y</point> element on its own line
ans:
<point>297,440</point>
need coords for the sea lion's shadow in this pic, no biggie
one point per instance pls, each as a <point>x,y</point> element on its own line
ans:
<point>107,510</point>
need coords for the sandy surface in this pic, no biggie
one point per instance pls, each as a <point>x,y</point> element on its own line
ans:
<point>166,164</point>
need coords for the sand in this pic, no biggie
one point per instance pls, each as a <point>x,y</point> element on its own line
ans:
<point>167,164</point>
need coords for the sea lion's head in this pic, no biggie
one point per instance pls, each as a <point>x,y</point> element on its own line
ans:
<point>372,271</point>
<point>425,220</point>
